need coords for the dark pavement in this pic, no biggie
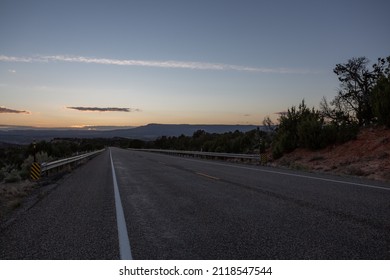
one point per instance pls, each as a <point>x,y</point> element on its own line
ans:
<point>184,208</point>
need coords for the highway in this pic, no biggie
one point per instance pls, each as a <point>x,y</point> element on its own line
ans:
<point>186,208</point>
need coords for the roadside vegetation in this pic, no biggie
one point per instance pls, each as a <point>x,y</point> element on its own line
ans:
<point>362,100</point>
<point>361,107</point>
<point>16,160</point>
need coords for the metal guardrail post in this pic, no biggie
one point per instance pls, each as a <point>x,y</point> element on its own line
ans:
<point>35,171</point>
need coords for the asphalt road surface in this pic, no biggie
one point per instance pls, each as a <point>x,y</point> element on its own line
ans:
<point>185,208</point>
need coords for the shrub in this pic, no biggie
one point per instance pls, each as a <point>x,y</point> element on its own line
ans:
<point>12,177</point>
<point>300,127</point>
<point>306,128</point>
<point>380,100</point>
<point>310,132</point>
<point>2,174</point>
<point>347,132</point>
<point>277,151</point>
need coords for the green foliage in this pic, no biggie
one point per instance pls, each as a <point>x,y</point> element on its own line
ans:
<point>15,160</point>
<point>347,132</point>
<point>12,177</point>
<point>300,127</point>
<point>230,142</point>
<point>381,101</point>
<point>364,98</point>
<point>277,150</point>
<point>356,82</point>
<point>310,131</point>
<point>358,97</point>
<point>306,128</point>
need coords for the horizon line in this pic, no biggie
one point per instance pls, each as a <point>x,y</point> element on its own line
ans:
<point>12,127</point>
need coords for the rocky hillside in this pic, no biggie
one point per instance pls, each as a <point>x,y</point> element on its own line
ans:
<point>368,156</point>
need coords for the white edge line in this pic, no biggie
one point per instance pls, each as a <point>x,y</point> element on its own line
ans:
<point>124,243</point>
<point>293,175</point>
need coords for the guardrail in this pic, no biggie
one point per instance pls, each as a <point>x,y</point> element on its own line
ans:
<point>204,154</point>
<point>45,167</point>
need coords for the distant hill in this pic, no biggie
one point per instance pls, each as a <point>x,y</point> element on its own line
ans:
<point>147,132</point>
<point>26,136</point>
<point>152,131</point>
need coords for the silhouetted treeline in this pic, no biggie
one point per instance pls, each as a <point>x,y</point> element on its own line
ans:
<point>231,142</point>
<point>15,160</point>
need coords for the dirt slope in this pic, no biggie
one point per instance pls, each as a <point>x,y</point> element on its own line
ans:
<point>367,156</point>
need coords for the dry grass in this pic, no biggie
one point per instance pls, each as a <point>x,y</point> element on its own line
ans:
<point>12,194</point>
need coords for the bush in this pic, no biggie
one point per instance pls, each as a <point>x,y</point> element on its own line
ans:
<point>300,127</point>
<point>310,132</point>
<point>13,177</point>
<point>306,128</point>
<point>338,133</point>
<point>277,151</point>
<point>2,174</point>
<point>329,134</point>
<point>347,132</point>
<point>381,101</point>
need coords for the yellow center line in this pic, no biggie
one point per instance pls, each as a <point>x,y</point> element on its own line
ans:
<point>208,176</point>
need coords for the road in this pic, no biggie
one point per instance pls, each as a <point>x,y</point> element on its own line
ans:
<point>185,208</point>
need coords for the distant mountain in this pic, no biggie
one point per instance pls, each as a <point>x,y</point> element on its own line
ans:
<point>147,132</point>
<point>26,136</point>
<point>152,131</point>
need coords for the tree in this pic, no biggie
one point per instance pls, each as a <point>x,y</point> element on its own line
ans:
<point>269,124</point>
<point>381,101</point>
<point>299,127</point>
<point>381,92</point>
<point>310,131</point>
<point>382,68</point>
<point>357,81</point>
<point>336,113</point>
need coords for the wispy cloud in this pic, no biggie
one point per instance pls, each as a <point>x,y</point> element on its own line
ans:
<point>5,58</point>
<point>104,109</point>
<point>154,63</point>
<point>4,110</point>
<point>12,71</point>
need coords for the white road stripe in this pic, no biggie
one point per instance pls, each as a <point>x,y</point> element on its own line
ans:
<point>124,243</point>
<point>291,174</point>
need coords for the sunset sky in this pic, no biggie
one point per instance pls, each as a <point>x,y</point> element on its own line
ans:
<point>130,63</point>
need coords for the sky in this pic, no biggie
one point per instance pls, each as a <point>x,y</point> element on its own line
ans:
<point>130,63</point>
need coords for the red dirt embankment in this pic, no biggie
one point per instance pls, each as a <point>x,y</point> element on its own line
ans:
<point>368,156</point>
